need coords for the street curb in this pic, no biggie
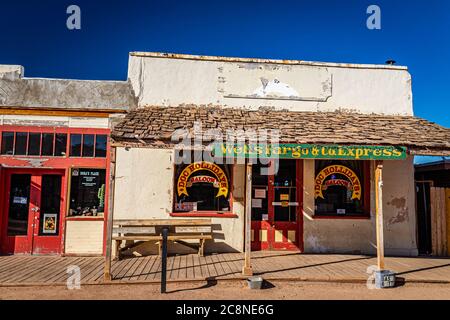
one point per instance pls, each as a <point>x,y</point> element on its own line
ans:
<point>222,280</point>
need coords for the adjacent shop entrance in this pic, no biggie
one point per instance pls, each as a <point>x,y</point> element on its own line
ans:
<point>31,219</point>
<point>276,201</point>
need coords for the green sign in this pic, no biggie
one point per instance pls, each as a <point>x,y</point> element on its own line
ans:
<point>309,151</point>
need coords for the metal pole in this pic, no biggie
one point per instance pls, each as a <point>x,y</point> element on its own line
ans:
<point>165,231</point>
<point>247,269</point>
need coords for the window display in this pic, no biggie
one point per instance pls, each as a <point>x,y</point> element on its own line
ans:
<point>202,186</point>
<point>341,188</point>
<point>87,192</point>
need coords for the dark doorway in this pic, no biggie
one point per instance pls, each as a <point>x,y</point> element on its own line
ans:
<point>423,216</point>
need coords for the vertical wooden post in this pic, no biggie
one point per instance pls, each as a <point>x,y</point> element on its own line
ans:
<point>447,206</point>
<point>379,214</point>
<point>107,272</point>
<point>247,269</point>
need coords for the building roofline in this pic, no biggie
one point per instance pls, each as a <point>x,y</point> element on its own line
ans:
<point>261,60</point>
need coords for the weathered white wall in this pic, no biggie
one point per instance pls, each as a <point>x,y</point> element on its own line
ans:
<point>84,237</point>
<point>358,235</point>
<point>144,190</point>
<point>328,87</point>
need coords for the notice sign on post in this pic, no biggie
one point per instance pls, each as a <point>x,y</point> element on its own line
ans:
<point>310,151</point>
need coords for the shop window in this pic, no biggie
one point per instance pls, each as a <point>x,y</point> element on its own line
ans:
<point>21,143</point>
<point>34,144</point>
<point>341,188</point>
<point>202,186</point>
<point>87,192</point>
<point>7,143</point>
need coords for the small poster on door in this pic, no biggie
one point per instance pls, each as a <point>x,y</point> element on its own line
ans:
<point>256,203</point>
<point>260,193</point>
<point>284,197</point>
<point>49,225</point>
<point>265,217</point>
<point>20,200</point>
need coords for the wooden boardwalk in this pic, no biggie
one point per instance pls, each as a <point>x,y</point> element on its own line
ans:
<point>47,270</point>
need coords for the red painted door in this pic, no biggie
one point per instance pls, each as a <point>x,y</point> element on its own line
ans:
<point>276,202</point>
<point>32,213</point>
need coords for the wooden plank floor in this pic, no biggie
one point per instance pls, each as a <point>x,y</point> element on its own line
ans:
<point>23,270</point>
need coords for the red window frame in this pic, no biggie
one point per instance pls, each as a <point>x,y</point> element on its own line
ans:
<point>54,130</point>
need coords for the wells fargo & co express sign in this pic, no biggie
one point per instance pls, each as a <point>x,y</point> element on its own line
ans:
<point>310,151</point>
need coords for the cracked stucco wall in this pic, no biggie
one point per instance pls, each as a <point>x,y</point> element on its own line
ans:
<point>171,82</point>
<point>144,190</point>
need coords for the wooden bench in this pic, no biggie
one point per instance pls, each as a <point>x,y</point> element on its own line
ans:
<point>140,231</point>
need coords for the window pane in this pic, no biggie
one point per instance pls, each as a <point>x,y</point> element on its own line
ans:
<point>50,205</point>
<point>100,146</point>
<point>88,145</point>
<point>75,145</point>
<point>7,142</point>
<point>87,192</point>
<point>47,144</point>
<point>19,204</point>
<point>34,144</point>
<point>21,143</point>
<point>60,144</point>
<point>260,184</point>
<point>285,191</point>
<point>202,189</point>
<point>339,187</point>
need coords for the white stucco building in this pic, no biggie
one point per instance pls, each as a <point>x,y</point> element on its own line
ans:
<point>322,202</point>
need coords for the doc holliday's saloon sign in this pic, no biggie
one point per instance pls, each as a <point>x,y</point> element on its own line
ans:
<point>217,178</point>
<point>349,180</point>
<point>310,151</point>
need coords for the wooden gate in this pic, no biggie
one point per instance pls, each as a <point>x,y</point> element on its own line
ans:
<point>440,221</point>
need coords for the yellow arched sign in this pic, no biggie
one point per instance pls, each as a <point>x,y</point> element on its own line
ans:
<point>183,179</point>
<point>353,179</point>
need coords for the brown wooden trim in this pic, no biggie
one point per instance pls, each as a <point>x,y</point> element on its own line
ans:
<point>99,113</point>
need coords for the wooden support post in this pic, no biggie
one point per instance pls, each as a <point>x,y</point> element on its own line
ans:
<point>109,227</point>
<point>379,214</point>
<point>247,269</point>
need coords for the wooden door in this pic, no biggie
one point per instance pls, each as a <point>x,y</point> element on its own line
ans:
<point>33,211</point>
<point>276,202</point>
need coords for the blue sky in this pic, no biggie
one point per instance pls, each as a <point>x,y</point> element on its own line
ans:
<point>414,33</point>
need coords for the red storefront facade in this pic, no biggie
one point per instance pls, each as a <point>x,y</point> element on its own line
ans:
<point>50,176</point>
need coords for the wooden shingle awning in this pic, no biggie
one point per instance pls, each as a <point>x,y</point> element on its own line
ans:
<point>155,125</point>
